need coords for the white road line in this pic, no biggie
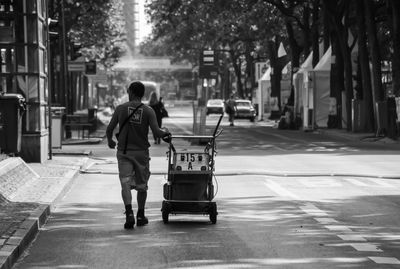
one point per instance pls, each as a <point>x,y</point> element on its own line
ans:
<point>338,228</point>
<point>313,210</point>
<point>352,237</point>
<point>319,182</point>
<point>278,189</point>
<point>384,260</point>
<point>326,220</point>
<point>356,182</point>
<point>349,236</point>
<point>366,247</point>
<point>380,182</point>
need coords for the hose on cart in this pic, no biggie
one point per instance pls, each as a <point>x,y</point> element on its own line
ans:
<point>216,186</point>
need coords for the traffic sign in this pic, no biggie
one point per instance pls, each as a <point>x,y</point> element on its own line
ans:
<point>208,72</point>
<point>208,64</point>
<point>76,66</point>
<point>208,58</point>
<point>90,68</point>
<point>260,68</point>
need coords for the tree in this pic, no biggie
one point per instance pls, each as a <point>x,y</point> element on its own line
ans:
<point>99,27</point>
<point>336,11</point>
<point>186,28</point>
<point>363,63</point>
<point>96,26</point>
<point>374,51</point>
<point>300,17</point>
<point>394,12</point>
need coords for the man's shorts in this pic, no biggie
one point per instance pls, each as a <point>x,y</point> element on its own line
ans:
<point>134,167</point>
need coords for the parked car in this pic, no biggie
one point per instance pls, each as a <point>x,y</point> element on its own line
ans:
<point>215,106</point>
<point>244,110</point>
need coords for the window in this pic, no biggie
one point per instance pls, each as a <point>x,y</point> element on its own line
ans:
<point>31,6</point>
<point>33,117</point>
<point>32,29</point>
<point>42,89</point>
<point>7,59</point>
<point>33,60</point>
<point>41,63</point>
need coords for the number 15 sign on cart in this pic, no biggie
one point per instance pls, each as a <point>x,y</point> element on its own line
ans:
<point>191,161</point>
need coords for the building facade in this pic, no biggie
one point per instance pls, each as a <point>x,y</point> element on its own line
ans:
<point>24,69</point>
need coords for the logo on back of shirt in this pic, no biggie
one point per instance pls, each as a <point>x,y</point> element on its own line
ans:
<point>137,117</point>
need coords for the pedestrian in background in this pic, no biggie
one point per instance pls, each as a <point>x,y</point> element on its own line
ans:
<point>158,106</point>
<point>230,109</point>
<point>134,119</point>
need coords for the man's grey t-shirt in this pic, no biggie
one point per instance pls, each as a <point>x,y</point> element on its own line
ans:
<point>137,128</point>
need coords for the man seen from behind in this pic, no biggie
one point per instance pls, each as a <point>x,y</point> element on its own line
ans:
<point>133,150</point>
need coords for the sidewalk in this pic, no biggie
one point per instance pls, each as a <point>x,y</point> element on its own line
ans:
<point>27,195</point>
<point>28,192</point>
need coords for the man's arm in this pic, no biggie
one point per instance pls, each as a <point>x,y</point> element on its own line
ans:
<point>110,129</point>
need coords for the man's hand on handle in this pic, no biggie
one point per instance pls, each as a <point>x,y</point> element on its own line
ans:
<point>167,136</point>
<point>111,144</point>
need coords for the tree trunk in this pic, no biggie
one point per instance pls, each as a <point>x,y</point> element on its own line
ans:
<point>295,57</point>
<point>335,15</point>
<point>365,72</point>
<point>249,72</point>
<point>348,73</point>
<point>237,66</point>
<point>294,47</point>
<point>374,51</point>
<point>276,70</point>
<point>342,37</point>
<point>336,81</point>
<point>306,30</point>
<point>395,7</point>
<point>326,27</point>
<point>315,32</point>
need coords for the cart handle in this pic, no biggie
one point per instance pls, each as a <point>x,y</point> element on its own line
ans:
<point>193,136</point>
<point>218,133</point>
<point>216,127</point>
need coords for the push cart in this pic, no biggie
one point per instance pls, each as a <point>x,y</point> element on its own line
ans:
<point>189,188</point>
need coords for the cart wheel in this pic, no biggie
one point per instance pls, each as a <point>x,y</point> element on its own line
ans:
<point>165,216</point>
<point>213,214</point>
<point>165,212</point>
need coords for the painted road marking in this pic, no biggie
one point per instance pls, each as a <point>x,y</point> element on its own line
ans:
<point>349,235</point>
<point>352,237</point>
<point>338,228</point>
<point>326,220</point>
<point>369,182</point>
<point>313,210</point>
<point>384,260</point>
<point>366,247</point>
<point>380,182</point>
<point>356,182</point>
<point>278,189</point>
<point>320,182</point>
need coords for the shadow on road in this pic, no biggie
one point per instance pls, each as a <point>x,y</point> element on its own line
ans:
<point>251,232</point>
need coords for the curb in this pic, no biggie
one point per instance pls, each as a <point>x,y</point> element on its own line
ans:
<point>29,228</point>
<point>23,237</point>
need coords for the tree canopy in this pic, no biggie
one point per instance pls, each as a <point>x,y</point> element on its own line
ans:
<point>97,27</point>
<point>252,29</point>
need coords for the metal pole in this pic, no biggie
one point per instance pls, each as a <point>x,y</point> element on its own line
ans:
<point>63,60</point>
<point>49,82</point>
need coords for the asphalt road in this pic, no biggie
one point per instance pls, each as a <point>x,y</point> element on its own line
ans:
<point>279,207</point>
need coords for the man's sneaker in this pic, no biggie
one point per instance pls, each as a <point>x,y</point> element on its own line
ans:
<point>141,221</point>
<point>130,220</point>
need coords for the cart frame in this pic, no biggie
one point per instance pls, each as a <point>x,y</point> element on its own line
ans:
<point>198,197</point>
